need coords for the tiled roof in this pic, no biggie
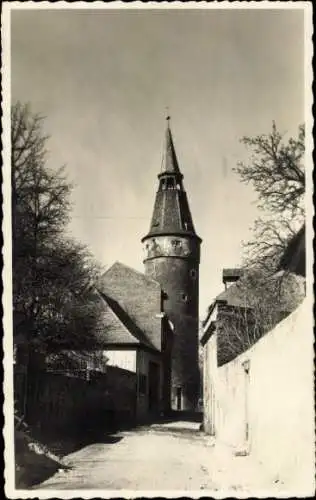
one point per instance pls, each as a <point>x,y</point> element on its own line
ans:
<point>119,327</point>
<point>171,214</point>
<point>292,291</point>
<point>136,300</point>
<point>233,296</point>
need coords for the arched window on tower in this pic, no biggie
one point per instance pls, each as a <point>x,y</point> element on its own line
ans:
<point>170,183</point>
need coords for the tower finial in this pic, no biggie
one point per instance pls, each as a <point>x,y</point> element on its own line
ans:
<point>168,117</point>
<point>169,161</point>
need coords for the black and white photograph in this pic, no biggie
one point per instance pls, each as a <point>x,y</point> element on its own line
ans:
<point>158,259</point>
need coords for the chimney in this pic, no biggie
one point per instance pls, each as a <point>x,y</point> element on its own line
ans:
<point>231,276</point>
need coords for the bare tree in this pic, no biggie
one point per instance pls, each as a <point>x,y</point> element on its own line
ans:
<point>276,171</point>
<point>261,301</point>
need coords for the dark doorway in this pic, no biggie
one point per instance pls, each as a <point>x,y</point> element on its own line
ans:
<point>179,394</point>
<point>154,385</point>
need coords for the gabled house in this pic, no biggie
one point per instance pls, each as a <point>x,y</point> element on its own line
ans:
<point>244,311</point>
<point>231,315</point>
<point>136,335</point>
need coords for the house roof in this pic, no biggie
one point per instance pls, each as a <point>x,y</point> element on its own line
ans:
<point>292,293</point>
<point>233,296</point>
<point>119,327</point>
<point>135,299</point>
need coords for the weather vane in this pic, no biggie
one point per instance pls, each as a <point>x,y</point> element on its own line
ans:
<point>168,115</point>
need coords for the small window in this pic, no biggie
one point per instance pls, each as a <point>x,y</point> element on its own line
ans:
<point>193,274</point>
<point>184,297</point>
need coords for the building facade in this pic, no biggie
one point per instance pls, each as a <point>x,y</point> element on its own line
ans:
<point>263,396</point>
<point>132,333</point>
<point>172,257</point>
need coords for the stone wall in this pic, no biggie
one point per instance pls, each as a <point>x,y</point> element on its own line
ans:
<point>179,279</point>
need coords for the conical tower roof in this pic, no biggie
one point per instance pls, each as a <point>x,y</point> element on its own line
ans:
<point>171,214</point>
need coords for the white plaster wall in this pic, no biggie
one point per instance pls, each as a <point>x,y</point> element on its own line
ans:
<point>125,359</point>
<point>280,399</point>
<point>209,381</point>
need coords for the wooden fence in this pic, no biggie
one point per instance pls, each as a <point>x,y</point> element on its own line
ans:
<point>57,400</point>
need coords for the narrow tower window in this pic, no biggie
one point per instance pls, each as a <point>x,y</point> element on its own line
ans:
<point>170,183</point>
<point>193,273</point>
<point>184,297</point>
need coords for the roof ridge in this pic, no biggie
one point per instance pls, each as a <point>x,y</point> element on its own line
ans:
<point>147,278</point>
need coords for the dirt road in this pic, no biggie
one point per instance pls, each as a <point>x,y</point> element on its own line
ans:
<point>156,458</point>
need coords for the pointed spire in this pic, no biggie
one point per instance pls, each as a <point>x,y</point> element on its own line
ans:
<point>170,162</point>
<point>171,214</point>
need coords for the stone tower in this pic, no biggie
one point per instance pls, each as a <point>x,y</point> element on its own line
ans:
<point>172,256</point>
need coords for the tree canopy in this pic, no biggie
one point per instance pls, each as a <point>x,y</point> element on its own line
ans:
<point>51,272</point>
<point>276,171</point>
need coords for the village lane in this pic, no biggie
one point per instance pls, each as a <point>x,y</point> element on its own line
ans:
<point>156,458</point>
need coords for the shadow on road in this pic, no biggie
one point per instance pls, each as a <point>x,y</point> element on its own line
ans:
<point>64,444</point>
<point>40,455</point>
<point>175,416</point>
<point>183,416</point>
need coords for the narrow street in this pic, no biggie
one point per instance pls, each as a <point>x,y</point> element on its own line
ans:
<point>159,457</point>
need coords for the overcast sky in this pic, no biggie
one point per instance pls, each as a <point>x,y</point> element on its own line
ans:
<point>104,78</point>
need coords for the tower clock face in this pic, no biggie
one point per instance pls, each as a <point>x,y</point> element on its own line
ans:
<point>167,246</point>
<point>178,247</point>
